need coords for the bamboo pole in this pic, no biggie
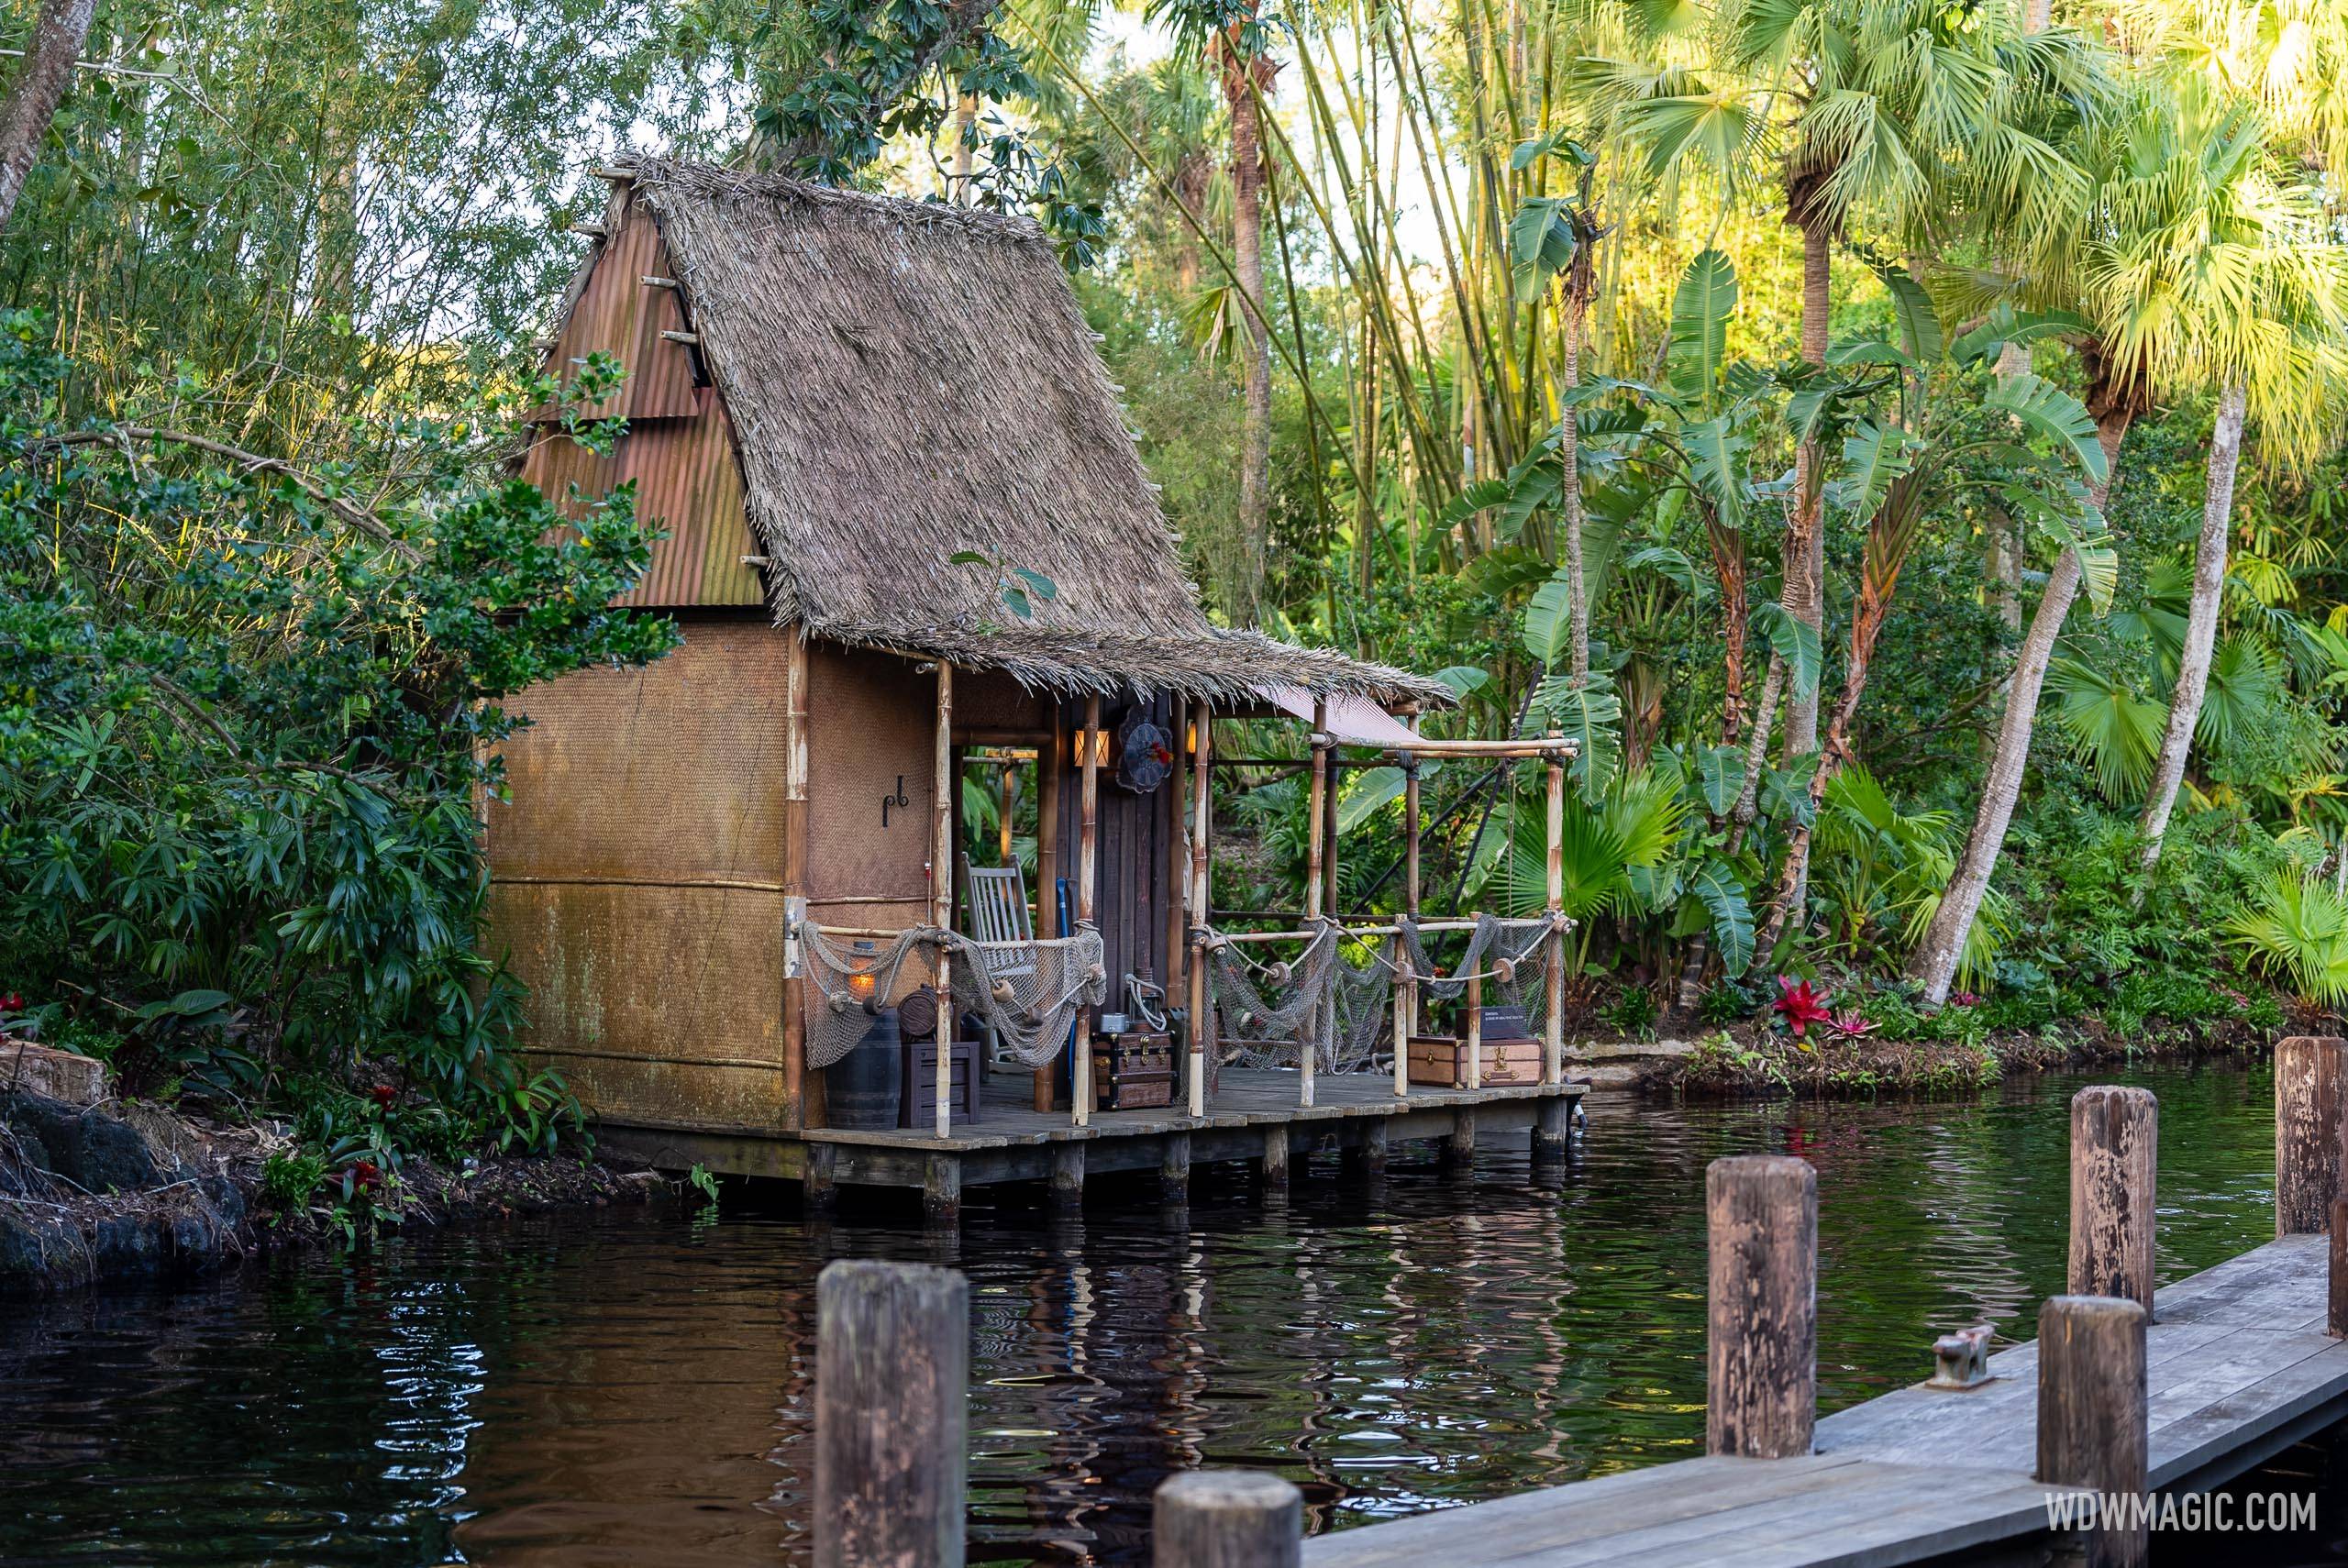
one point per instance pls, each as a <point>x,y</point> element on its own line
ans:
<point>1406,980</point>
<point>1313,898</point>
<point>1088,851</point>
<point>1177,859</point>
<point>1475,1029</point>
<point>1048,766</point>
<point>941,883</point>
<point>1553,1022</point>
<point>1201,901</point>
<point>1428,745</point>
<point>801,1090</point>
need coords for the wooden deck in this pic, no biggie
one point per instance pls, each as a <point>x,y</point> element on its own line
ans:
<point>1252,1116</point>
<point>2239,1368</point>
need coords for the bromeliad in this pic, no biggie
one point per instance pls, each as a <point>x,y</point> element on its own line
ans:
<point>1800,1006</point>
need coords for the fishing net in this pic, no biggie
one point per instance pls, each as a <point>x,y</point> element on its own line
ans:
<point>841,975</point>
<point>1513,957</point>
<point>1029,991</point>
<point>1269,1010</point>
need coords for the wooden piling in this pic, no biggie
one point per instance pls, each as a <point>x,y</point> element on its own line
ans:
<point>1174,1169</point>
<point>2115,1142</point>
<point>1366,1161</point>
<point>941,1188</point>
<point>2336,1319</point>
<point>2092,1410</point>
<point>1459,1149</point>
<point>1761,1362</point>
<point>892,1383</point>
<point>2310,1131</point>
<point>1276,1158</point>
<point>1552,1127</point>
<point>1227,1518</point>
<point>1068,1175</point>
<point>820,1187</point>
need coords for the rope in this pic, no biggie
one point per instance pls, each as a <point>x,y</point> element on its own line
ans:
<point>1029,991</point>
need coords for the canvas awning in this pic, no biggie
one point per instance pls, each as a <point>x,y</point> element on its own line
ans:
<point>1356,720</point>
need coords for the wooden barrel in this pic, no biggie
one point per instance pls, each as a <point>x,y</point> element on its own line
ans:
<point>863,1087</point>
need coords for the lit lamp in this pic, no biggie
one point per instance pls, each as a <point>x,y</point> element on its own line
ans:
<point>861,983</point>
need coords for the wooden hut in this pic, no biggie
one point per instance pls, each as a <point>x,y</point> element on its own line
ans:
<point>831,396</point>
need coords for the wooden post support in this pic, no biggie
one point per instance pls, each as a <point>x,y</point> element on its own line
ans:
<point>941,1188</point>
<point>892,1347</point>
<point>1174,1169</point>
<point>1088,869</point>
<point>1314,906</point>
<point>2115,1142</point>
<point>1227,1518</point>
<point>1475,1010</point>
<point>2310,1131</point>
<point>941,895</point>
<point>1553,998</point>
<point>2336,1319</point>
<point>1068,1175</point>
<point>1276,1157</point>
<point>1201,901</point>
<point>820,1187</point>
<point>1371,1157</point>
<point>1459,1149</point>
<point>1761,1362</point>
<point>2092,1413</point>
<point>1048,768</point>
<point>1552,1128</point>
<point>803,1091</point>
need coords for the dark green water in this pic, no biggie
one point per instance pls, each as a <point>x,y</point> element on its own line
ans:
<point>633,1390</point>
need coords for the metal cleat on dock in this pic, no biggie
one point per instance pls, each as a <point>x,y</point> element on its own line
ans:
<point>1961,1360</point>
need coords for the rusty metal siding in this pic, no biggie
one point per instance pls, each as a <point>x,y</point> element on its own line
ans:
<point>688,483</point>
<point>619,315</point>
<point>637,881</point>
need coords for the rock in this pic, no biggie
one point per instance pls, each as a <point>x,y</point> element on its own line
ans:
<point>95,1151</point>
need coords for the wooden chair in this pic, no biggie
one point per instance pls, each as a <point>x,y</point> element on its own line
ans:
<point>996,901</point>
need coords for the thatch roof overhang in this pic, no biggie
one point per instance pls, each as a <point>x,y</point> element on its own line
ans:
<point>908,381</point>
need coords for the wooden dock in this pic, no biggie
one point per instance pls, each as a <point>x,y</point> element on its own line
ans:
<point>2239,1367</point>
<point>1252,1116</point>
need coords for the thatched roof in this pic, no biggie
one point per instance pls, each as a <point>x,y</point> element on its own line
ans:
<point>908,380</point>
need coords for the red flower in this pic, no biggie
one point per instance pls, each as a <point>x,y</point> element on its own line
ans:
<point>364,1176</point>
<point>1964,998</point>
<point>12,1002</point>
<point>1800,1006</point>
<point>386,1095</point>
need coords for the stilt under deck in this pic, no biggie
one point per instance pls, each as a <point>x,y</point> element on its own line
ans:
<point>1252,1116</point>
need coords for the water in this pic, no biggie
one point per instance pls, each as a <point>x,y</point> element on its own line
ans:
<point>632,1389</point>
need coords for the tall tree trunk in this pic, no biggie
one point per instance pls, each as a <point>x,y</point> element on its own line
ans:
<point>2200,621</point>
<point>1239,83</point>
<point>1577,279</point>
<point>62,27</point>
<point>1804,594</point>
<point>1935,962</point>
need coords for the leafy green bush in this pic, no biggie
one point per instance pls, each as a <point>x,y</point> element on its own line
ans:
<point>246,710</point>
<point>2296,927</point>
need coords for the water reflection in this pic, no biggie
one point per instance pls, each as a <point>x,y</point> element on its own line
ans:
<point>623,1390</point>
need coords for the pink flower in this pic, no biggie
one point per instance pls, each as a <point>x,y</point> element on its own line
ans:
<point>1964,998</point>
<point>1852,1024</point>
<point>1800,1006</point>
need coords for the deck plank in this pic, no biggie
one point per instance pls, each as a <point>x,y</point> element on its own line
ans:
<point>2236,1362</point>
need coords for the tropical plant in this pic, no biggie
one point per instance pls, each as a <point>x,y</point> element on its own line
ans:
<point>2295,925</point>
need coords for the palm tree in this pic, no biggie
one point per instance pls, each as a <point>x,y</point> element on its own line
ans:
<point>2168,232</point>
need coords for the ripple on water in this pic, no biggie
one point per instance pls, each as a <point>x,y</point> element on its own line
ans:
<point>631,1390</point>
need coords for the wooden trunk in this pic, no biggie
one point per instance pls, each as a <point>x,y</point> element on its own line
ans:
<point>919,1107</point>
<point>1133,1071</point>
<point>1441,1060</point>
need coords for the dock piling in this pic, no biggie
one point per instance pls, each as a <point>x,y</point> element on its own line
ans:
<point>2115,1141</point>
<point>1276,1159</point>
<point>2336,1312</point>
<point>941,1189</point>
<point>1761,1361</point>
<point>2310,1131</point>
<point>1227,1518</point>
<point>1459,1149</point>
<point>820,1187</point>
<point>1174,1169</point>
<point>1068,1175</point>
<point>1551,1129</point>
<point>891,1380</point>
<point>2093,1413</point>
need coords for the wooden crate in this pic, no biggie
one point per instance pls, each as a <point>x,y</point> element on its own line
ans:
<point>1133,1071</point>
<point>918,1105</point>
<point>1440,1061</point>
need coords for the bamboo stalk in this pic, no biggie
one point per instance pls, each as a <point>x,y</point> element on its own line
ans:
<point>802,1098</point>
<point>1553,1024</point>
<point>1410,851</point>
<point>1312,885</point>
<point>1049,766</point>
<point>1088,846</point>
<point>941,882</point>
<point>1201,865</point>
